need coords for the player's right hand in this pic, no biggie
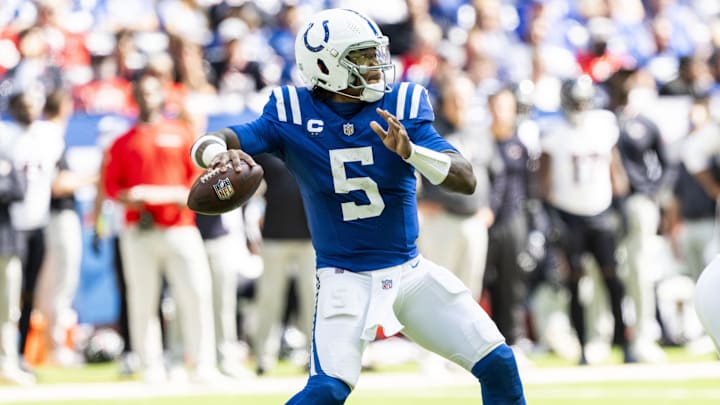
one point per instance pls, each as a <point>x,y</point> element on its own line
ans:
<point>234,156</point>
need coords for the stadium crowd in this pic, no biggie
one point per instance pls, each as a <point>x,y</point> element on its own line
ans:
<point>508,79</point>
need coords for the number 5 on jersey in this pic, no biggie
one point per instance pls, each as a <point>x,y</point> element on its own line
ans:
<point>343,185</point>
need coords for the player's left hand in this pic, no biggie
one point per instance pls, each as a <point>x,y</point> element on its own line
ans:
<point>396,137</point>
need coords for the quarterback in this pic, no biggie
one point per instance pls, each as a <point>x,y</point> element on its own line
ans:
<point>354,143</point>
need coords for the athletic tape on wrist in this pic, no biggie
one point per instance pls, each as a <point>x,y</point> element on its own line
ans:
<point>213,146</point>
<point>435,166</point>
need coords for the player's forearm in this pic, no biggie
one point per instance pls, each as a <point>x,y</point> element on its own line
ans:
<point>460,177</point>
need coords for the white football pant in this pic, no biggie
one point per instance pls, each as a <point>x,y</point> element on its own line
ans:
<point>707,300</point>
<point>426,302</point>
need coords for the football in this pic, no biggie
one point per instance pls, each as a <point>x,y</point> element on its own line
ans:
<point>216,192</point>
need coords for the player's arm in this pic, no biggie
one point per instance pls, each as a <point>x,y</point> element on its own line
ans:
<point>217,149</point>
<point>618,175</point>
<point>448,169</point>
<point>544,176</point>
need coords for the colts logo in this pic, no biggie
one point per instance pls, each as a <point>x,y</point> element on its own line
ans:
<point>386,284</point>
<point>348,129</point>
<point>224,189</point>
<point>325,39</point>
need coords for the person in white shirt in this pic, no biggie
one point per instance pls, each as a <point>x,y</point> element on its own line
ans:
<point>35,147</point>
<point>580,172</point>
<point>697,156</point>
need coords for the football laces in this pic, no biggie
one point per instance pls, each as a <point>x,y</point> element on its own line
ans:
<point>211,173</point>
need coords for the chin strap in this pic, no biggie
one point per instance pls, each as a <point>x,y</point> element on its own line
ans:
<point>434,165</point>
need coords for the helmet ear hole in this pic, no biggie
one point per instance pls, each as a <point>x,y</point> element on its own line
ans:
<point>323,68</point>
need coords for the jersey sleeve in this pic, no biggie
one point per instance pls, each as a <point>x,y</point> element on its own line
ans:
<point>412,107</point>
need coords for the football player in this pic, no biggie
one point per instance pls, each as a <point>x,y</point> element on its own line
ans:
<point>354,143</point>
<point>580,171</point>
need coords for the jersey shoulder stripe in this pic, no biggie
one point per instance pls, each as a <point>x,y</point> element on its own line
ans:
<point>412,102</point>
<point>287,104</point>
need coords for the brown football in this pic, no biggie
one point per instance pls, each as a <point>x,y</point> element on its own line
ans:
<point>216,192</point>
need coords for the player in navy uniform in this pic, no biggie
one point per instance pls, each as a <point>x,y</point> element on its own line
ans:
<point>354,143</point>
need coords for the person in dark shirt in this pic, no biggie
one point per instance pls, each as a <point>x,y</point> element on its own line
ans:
<point>505,278</point>
<point>454,226</point>
<point>645,160</point>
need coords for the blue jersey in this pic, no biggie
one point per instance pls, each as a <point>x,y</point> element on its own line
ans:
<point>359,196</point>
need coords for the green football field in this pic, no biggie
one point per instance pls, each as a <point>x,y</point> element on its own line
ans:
<point>691,392</point>
<point>685,379</point>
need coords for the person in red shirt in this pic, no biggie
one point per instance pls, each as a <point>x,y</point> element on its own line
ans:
<point>149,172</point>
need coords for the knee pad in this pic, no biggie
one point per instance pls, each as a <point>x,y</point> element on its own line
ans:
<point>499,378</point>
<point>322,390</point>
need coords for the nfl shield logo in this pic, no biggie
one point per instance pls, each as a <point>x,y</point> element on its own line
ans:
<point>386,284</point>
<point>224,189</point>
<point>348,129</point>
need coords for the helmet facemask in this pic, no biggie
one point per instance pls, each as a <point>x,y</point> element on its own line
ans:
<point>363,58</point>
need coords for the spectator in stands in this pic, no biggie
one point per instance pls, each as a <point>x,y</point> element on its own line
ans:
<point>66,44</point>
<point>34,72</point>
<point>107,92</point>
<point>599,60</point>
<point>694,78</point>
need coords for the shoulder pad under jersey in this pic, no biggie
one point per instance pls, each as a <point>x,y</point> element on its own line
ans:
<point>284,104</point>
<point>409,101</point>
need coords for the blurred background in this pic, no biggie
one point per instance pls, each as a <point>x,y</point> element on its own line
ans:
<point>219,59</point>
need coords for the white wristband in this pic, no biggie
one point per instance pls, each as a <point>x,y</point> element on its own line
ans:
<point>212,145</point>
<point>435,166</point>
<point>211,151</point>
